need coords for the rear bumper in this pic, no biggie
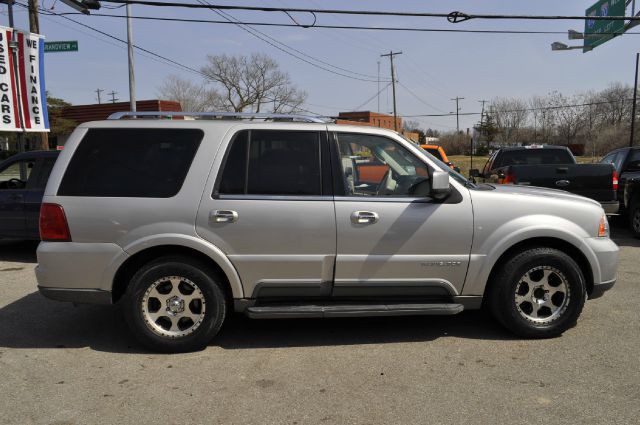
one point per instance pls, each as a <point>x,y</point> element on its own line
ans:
<point>80,296</point>
<point>610,207</point>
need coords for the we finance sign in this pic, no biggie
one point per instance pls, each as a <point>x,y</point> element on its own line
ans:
<point>23,100</point>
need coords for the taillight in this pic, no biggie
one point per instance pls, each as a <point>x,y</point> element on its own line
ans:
<point>508,179</point>
<point>53,224</point>
<point>615,180</point>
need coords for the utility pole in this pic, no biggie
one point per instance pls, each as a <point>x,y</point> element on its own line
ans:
<point>378,86</point>
<point>391,54</point>
<point>633,109</point>
<point>13,45</point>
<point>113,96</point>
<point>132,77</point>
<point>458,99</point>
<point>98,92</point>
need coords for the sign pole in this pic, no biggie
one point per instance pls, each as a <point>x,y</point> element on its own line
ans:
<point>633,109</point>
<point>13,44</point>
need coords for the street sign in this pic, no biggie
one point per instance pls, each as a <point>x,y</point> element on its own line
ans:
<point>60,46</point>
<point>597,32</point>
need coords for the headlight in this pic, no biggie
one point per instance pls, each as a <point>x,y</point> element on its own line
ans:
<point>603,227</point>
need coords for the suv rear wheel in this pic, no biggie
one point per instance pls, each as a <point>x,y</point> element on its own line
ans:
<point>539,293</point>
<point>175,304</point>
<point>634,218</point>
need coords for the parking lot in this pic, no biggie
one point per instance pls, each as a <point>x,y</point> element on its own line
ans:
<point>61,364</point>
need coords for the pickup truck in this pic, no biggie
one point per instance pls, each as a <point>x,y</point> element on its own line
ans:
<point>23,178</point>
<point>626,162</point>
<point>553,167</point>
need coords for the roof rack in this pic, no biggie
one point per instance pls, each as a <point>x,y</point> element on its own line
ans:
<point>218,116</point>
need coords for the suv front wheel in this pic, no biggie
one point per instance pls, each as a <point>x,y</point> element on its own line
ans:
<point>539,293</point>
<point>175,304</point>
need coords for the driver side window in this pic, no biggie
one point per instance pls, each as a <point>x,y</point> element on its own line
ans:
<point>378,166</point>
<point>16,175</point>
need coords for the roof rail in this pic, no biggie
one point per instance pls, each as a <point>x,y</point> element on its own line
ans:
<point>218,115</point>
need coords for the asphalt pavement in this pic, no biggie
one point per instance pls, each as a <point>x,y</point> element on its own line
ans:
<point>61,364</point>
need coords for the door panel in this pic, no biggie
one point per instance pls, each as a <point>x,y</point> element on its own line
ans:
<point>415,248</point>
<point>14,179</point>
<point>272,212</point>
<point>276,243</point>
<point>391,243</point>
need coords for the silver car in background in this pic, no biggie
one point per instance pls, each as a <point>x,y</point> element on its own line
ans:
<point>183,221</point>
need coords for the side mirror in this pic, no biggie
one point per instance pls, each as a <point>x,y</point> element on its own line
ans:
<point>440,188</point>
<point>474,172</point>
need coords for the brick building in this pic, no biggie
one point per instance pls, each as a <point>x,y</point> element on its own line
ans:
<point>375,119</point>
<point>97,112</point>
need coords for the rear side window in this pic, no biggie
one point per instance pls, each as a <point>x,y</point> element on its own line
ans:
<point>534,157</point>
<point>262,162</point>
<point>134,163</point>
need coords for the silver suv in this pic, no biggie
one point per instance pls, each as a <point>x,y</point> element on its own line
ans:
<point>183,221</point>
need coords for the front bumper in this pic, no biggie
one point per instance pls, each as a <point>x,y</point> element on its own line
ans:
<point>606,265</point>
<point>600,288</point>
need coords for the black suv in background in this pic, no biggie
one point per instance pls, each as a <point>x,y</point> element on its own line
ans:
<point>23,178</point>
<point>626,162</point>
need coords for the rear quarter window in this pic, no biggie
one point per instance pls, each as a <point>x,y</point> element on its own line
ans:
<point>140,163</point>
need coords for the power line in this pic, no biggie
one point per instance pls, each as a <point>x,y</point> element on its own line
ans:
<point>261,36</point>
<point>342,27</point>
<point>418,98</point>
<point>453,17</point>
<point>542,108</point>
<point>371,98</point>
<point>153,55</point>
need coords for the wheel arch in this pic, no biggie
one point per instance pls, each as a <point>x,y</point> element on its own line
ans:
<point>143,253</point>
<point>544,242</point>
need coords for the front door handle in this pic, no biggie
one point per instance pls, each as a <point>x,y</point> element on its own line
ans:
<point>364,217</point>
<point>223,216</point>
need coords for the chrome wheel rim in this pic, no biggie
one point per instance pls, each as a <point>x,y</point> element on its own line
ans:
<point>173,306</point>
<point>542,295</point>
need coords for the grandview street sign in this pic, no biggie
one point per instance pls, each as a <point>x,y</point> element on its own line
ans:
<point>597,32</point>
<point>60,46</point>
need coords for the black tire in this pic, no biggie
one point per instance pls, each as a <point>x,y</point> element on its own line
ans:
<point>211,300</point>
<point>515,293</point>
<point>634,218</point>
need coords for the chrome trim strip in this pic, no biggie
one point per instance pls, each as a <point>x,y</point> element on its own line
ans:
<point>274,198</point>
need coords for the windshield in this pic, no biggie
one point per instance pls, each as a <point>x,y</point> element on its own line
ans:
<point>444,167</point>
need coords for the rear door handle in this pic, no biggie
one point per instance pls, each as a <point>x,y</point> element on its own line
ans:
<point>223,216</point>
<point>364,217</point>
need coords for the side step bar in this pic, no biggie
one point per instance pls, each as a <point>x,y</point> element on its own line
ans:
<point>350,310</point>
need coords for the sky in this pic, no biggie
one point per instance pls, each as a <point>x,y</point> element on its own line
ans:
<point>433,67</point>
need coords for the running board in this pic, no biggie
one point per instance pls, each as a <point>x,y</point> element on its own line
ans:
<point>350,310</point>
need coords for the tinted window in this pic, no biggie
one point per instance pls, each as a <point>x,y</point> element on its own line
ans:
<point>44,170</point>
<point>144,163</point>
<point>633,161</point>
<point>273,163</point>
<point>534,156</point>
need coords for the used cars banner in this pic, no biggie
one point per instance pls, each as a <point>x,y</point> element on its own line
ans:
<point>27,83</point>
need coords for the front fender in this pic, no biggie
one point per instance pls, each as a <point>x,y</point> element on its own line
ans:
<point>488,247</point>
<point>195,243</point>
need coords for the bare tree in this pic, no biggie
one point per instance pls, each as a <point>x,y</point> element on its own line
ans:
<point>192,97</point>
<point>253,83</point>
<point>569,116</point>
<point>543,119</point>
<point>510,117</point>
